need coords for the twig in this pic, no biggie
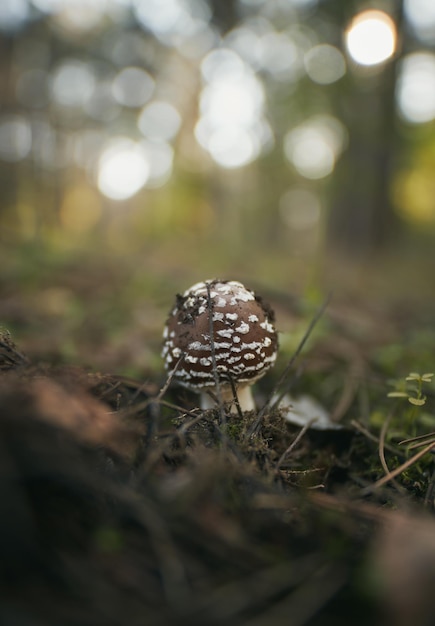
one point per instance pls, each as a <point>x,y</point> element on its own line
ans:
<point>182,430</point>
<point>177,407</point>
<point>154,413</point>
<point>133,409</point>
<point>141,406</point>
<point>294,443</point>
<point>235,397</point>
<point>165,387</point>
<point>360,428</point>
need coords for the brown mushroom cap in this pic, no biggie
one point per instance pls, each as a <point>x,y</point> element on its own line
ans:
<point>245,340</point>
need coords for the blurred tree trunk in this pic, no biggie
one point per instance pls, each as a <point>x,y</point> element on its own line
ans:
<point>361,219</point>
<point>8,183</point>
<point>225,14</point>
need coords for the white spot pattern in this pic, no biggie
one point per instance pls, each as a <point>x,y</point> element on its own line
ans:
<point>188,347</point>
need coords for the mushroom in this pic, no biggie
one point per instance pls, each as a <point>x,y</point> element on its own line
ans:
<point>243,346</point>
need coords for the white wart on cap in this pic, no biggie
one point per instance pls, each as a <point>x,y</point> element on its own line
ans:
<point>244,339</point>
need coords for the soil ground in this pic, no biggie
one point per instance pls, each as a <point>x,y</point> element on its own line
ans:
<point>122,502</point>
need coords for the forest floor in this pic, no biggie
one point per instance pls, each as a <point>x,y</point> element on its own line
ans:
<point>123,502</point>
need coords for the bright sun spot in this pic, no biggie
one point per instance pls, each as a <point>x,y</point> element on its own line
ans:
<point>416,87</point>
<point>421,16</point>
<point>232,102</point>
<point>232,146</point>
<point>371,37</point>
<point>314,146</point>
<point>232,126</point>
<point>123,169</point>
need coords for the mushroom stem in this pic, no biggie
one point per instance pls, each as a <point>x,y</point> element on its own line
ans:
<point>244,396</point>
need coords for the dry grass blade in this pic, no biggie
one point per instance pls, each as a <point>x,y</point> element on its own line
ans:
<point>235,398</point>
<point>419,441</point>
<point>383,481</point>
<point>276,395</point>
<point>294,443</point>
<point>382,452</point>
<point>137,407</point>
<point>360,428</point>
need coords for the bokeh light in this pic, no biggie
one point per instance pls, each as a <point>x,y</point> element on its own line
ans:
<point>52,149</point>
<point>159,120</point>
<point>232,126</point>
<point>280,56</point>
<point>220,64</point>
<point>101,105</point>
<point>252,3</point>
<point>172,21</point>
<point>125,48</point>
<point>245,40</point>
<point>72,83</point>
<point>233,146</point>
<point>371,37</point>
<point>414,193</point>
<point>48,6</point>
<point>78,17</point>
<point>103,72</point>
<point>279,53</point>
<point>13,15</point>
<point>314,146</point>
<point>232,102</point>
<point>160,157</point>
<point>15,138</point>
<point>123,169</point>
<point>79,14</point>
<point>421,15</point>
<point>132,87</point>
<point>325,64</point>
<point>87,146</point>
<point>416,87</point>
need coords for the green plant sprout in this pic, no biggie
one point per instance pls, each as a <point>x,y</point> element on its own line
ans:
<point>412,388</point>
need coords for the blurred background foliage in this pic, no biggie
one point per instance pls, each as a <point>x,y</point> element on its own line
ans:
<point>148,144</point>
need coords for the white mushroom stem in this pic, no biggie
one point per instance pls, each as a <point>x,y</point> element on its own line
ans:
<point>244,396</point>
